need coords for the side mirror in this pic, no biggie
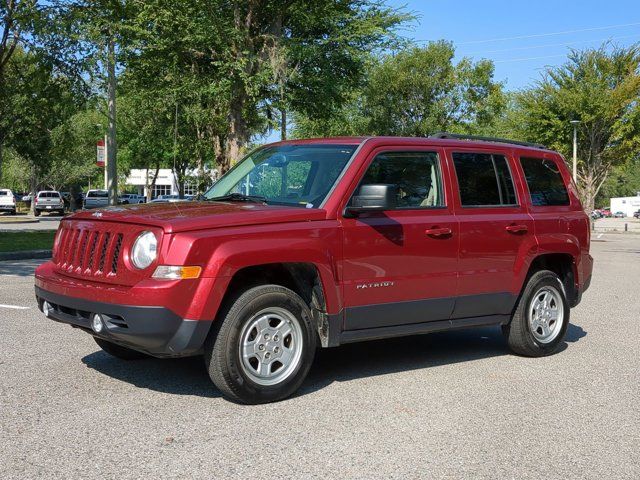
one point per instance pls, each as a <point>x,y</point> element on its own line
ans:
<point>373,198</point>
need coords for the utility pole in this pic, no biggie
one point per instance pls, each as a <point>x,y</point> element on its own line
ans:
<point>111,167</point>
<point>575,149</point>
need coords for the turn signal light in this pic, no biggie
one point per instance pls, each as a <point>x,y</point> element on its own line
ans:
<point>174,272</point>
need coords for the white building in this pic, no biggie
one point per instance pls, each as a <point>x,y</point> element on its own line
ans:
<point>627,205</point>
<point>166,182</point>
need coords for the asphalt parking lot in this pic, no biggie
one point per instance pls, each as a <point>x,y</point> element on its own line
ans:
<point>450,405</point>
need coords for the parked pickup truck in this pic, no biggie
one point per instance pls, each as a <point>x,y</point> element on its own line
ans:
<point>132,199</point>
<point>7,201</point>
<point>48,201</point>
<point>96,199</point>
<point>328,242</point>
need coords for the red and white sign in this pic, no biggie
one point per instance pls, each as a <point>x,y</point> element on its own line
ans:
<point>101,153</point>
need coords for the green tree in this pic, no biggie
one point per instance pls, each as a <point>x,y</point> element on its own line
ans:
<point>249,61</point>
<point>600,88</point>
<point>624,181</point>
<point>419,91</point>
<point>72,159</point>
<point>33,26</point>
<point>38,107</point>
<point>416,92</point>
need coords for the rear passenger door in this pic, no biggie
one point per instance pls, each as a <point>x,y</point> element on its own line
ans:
<point>495,231</point>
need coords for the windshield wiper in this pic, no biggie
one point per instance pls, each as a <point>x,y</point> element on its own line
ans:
<point>238,197</point>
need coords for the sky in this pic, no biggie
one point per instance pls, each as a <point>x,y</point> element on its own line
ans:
<point>547,30</point>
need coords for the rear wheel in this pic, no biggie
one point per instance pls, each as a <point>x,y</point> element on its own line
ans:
<point>263,346</point>
<point>36,213</point>
<point>118,351</point>
<point>540,321</point>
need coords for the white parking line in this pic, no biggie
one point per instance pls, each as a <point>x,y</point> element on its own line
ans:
<point>600,236</point>
<point>14,307</point>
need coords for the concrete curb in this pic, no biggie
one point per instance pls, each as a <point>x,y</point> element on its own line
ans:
<point>18,222</point>
<point>25,255</point>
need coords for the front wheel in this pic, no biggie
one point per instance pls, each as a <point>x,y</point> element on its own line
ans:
<point>541,318</point>
<point>262,347</point>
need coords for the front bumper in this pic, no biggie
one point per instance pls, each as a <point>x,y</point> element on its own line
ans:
<point>154,330</point>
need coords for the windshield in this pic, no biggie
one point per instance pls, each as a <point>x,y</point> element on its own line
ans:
<point>299,175</point>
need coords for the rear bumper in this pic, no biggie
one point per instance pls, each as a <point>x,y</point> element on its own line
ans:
<point>154,330</point>
<point>7,207</point>
<point>44,208</point>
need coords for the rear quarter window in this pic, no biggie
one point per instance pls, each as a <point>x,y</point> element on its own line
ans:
<point>545,182</point>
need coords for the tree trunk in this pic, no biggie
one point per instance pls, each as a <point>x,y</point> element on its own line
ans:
<point>72,198</point>
<point>34,189</point>
<point>112,167</point>
<point>238,136</point>
<point>588,194</point>
<point>1,158</point>
<point>283,124</point>
<point>153,182</point>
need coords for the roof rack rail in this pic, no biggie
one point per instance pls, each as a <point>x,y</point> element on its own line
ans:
<point>458,136</point>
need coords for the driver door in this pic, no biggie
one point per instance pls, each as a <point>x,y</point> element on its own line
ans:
<point>400,265</point>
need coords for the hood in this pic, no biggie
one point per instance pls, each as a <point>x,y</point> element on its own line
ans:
<point>185,216</point>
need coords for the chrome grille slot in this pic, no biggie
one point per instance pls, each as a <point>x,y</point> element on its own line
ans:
<point>80,253</point>
<point>103,253</point>
<point>116,254</point>
<point>92,250</point>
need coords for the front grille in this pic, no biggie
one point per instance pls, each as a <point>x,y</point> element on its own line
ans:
<point>88,252</point>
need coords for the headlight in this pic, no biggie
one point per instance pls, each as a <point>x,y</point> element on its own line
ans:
<point>144,250</point>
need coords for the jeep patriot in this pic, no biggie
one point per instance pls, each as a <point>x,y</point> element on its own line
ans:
<point>317,243</point>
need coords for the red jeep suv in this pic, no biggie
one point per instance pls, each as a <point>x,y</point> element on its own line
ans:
<point>325,242</point>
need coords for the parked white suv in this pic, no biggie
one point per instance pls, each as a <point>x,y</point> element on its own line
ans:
<point>7,202</point>
<point>48,201</point>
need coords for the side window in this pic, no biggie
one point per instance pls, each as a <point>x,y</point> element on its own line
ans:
<point>416,174</point>
<point>545,182</point>
<point>484,180</point>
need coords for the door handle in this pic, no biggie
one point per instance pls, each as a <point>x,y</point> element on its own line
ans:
<point>516,228</point>
<point>438,232</point>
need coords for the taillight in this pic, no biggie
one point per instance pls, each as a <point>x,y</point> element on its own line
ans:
<point>35,200</point>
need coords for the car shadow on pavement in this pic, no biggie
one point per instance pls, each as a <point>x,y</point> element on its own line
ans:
<point>177,376</point>
<point>382,357</point>
<point>187,376</point>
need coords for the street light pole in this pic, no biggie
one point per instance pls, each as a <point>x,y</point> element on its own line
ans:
<point>575,149</point>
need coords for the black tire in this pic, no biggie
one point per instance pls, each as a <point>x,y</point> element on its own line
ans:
<point>118,351</point>
<point>13,212</point>
<point>222,348</point>
<point>36,213</point>
<point>518,333</point>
